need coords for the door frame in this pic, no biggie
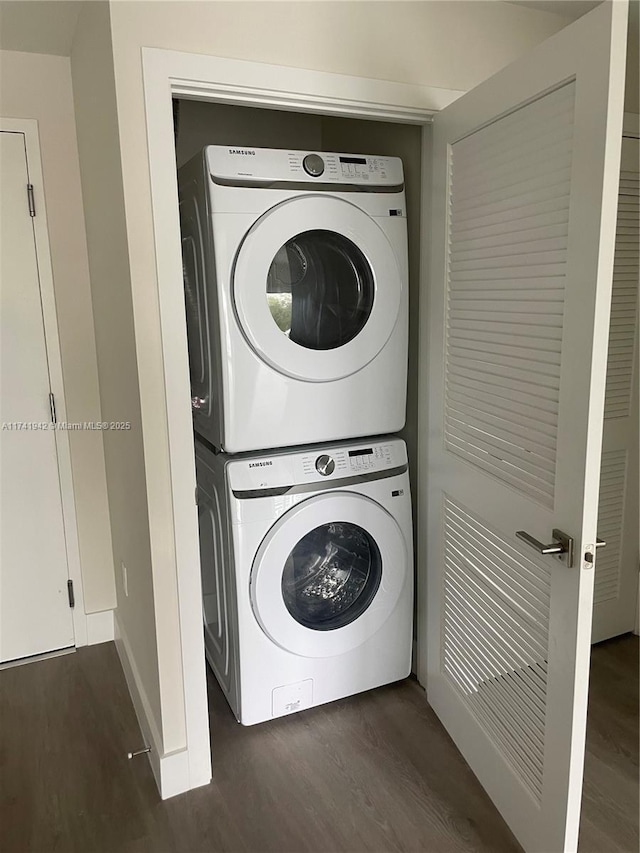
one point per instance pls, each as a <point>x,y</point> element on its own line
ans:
<point>631,129</point>
<point>168,74</point>
<point>29,127</point>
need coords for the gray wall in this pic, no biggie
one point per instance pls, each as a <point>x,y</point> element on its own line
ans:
<point>200,123</point>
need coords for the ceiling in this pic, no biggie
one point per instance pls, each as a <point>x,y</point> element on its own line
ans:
<point>48,26</point>
<point>567,8</point>
<point>38,26</point>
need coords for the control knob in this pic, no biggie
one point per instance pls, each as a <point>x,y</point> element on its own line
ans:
<point>313,165</point>
<point>325,465</point>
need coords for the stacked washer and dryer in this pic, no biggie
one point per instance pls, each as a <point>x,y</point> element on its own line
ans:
<point>296,289</point>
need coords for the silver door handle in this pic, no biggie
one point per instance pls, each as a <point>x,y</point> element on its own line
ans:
<point>600,543</point>
<point>198,403</point>
<point>562,546</point>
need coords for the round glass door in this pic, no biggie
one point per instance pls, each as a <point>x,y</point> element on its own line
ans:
<point>331,576</point>
<point>317,288</point>
<point>320,290</point>
<point>328,574</point>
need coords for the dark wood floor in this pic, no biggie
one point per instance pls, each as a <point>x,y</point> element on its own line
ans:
<point>609,819</point>
<point>374,772</point>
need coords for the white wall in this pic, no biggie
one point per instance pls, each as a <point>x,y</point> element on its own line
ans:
<point>438,43</point>
<point>39,87</point>
<point>101,174</point>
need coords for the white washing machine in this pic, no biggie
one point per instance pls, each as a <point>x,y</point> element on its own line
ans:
<point>307,573</point>
<point>295,275</point>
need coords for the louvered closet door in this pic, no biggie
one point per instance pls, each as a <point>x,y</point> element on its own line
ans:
<point>616,584</point>
<point>525,191</point>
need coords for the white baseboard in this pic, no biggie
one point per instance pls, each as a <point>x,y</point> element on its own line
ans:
<point>100,627</point>
<point>170,770</point>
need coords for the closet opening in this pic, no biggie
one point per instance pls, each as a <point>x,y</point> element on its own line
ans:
<point>198,124</point>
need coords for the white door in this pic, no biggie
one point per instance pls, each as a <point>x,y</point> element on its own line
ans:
<point>35,616</point>
<point>616,584</point>
<point>525,189</point>
<point>333,288</point>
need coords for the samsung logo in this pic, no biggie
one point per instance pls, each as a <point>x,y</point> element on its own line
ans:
<point>260,464</point>
<point>241,151</point>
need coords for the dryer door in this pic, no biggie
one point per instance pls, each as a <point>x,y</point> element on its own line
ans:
<point>317,288</point>
<point>328,574</point>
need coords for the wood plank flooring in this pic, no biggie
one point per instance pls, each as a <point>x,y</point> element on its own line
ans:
<point>609,818</point>
<point>375,772</point>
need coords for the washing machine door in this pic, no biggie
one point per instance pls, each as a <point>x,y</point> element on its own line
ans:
<point>317,288</point>
<point>328,574</point>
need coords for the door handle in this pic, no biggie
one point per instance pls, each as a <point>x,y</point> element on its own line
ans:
<point>562,546</point>
<point>198,403</point>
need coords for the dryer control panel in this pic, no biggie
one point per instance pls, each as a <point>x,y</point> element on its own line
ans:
<point>321,465</point>
<point>266,166</point>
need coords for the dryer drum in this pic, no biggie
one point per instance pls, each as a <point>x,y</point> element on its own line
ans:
<point>320,289</point>
<point>331,576</point>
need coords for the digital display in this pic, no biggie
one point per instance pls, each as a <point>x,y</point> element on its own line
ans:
<point>361,160</point>
<point>366,452</point>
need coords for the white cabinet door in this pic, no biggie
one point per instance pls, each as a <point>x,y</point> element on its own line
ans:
<point>34,608</point>
<point>525,190</point>
<point>616,585</point>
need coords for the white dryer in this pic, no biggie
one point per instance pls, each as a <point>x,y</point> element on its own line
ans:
<point>295,275</point>
<point>307,573</point>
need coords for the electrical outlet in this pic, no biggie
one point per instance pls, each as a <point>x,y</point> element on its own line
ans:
<point>125,579</point>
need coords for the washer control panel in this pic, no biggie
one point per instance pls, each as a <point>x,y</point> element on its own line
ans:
<point>363,168</point>
<point>324,465</point>
<point>266,166</point>
<point>369,458</point>
<point>347,461</point>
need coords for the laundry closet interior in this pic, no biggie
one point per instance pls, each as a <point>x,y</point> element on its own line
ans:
<point>333,581</point>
